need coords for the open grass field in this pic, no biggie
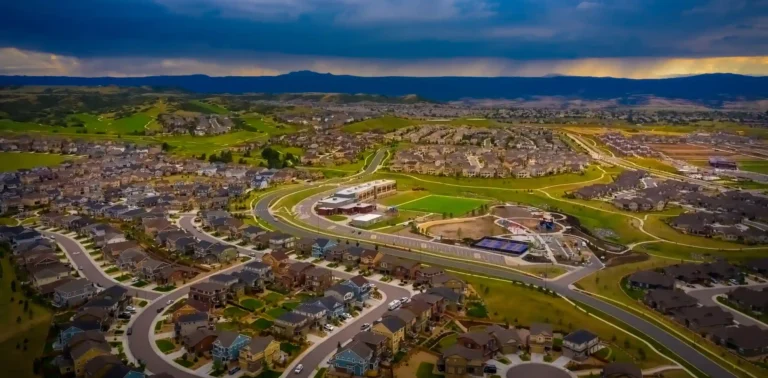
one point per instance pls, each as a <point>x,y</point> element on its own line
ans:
<point>16,325</point>
<point>403,197</point>
<point>8,221</point>
<point>503,301</point>
<point>103,124</point>
<point>188,145</point>
<point>507,183</point>
<point>443,204</point>
<point>651,163</point>
<point>607,283</point>
<point>382,124</point>
<point>759,166</point>
<point>11,161</point>
<point>266,125</point>
<point>209,107</point>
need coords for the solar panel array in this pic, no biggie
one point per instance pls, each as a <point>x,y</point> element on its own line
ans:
<point>502,245</point>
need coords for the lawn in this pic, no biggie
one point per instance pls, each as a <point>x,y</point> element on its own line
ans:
<point>261,324</point>
<point>502,300</point>
<point>183,362</point>
<point>11,161</point>
<point>165,289</point>
<point>448,341</point>
<point>8,222</point>
<point>103,124</point>
<point>651,163</point>
<point>403,197</point>
<point>273,298</point>
<point>17,325</point>
<point>276,312</point>
<point>444,204</point>
<point>291,305</point>
<point>123,278</point>
<point>207,107</point>
<point>234,312</point>
<point>382,124</point>
<point>759,166</point>
<point>289,348</point>
<point>166,346</point>
<point>112,270</point>
<point>252,304</point>
<point>267,126</point>
<point>140,283</point>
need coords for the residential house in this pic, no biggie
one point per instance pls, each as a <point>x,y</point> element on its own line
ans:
<point>228,345</point>
<point>369,259</point>
<point>190,306</point>
<point>448,281</point>
<point>85,351</point>
<point>73,293</point>
<point>579,345</point>
<point>275,259</point>
<point>199,341</point>
<point>151,268</point>
<point>540,340</point>
<point>295,275</point>
<point>753,300</point>
<point>667,301</point>
<point>397,268</point>
<point>47,274</point>
<point>459,361</point>
<point>261,353</point>
<point>393,328</point>
<point>318,279</point>
<point>321,247</point>
<point>377,343</point>
<point>423,312</point>
<point>333,305</point>
<point>621,370</point>
<point>747,341</point>
<point>479,340</point>
<point>354,359</point>
<point>315,313</point>
<point>212,294</point>
<point>649,279</point>
<point>705,319</point>
<point>453,301</point>
<point>291,325</point>
<point>189,323</point>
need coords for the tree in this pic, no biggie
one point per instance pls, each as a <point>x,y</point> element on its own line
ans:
<point>217,365</point>
<point>166,146</point>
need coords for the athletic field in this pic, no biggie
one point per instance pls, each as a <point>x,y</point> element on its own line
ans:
<point>443,204</point>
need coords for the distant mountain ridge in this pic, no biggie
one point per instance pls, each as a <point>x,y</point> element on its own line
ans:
<point>711,89</point>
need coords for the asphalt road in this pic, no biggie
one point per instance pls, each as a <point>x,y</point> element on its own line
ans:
<point>705,298</point>
<point>682,349</point>
<point>80,259</point>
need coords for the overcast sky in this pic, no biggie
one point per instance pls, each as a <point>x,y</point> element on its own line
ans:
<point>621,38</point>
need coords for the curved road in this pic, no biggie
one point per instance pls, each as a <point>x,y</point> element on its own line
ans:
<point>704,296</point>
<point>681,348</point>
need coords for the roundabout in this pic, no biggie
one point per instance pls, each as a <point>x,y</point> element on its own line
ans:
<point>538,370</point>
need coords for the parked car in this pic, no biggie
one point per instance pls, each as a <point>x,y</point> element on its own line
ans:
<point>328,327</point>
<point>489,369</point>
<point>346,316</point>
<point>129,331</point>
<point>365,327</point>
<point>130,309</point>
<point>405,300</point>
<point>234,370</point>
<point>298,369</point>
<point>124,315</point>
<point>159,310</point>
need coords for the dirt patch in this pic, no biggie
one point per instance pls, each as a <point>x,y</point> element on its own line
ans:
<point>409,369</point>
<point>407,232</point>
<point>627,258</point>
<point>694,152</point>
<point>511,212</point>
<point>471,228</point>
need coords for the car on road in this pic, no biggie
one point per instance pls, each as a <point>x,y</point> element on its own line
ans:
<point>79,268</point>
<point>365,327</point>
<point>130,331</point>
<point>75,253</point>
<point>405,300</point>
<point>328,328</point>
<point>170,301</point>
<point>394,305</point>
<point>298,369</point>
<point>159,310</point>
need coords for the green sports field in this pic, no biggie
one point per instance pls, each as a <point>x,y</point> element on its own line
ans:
<point>443,204</point>
<point>11,161</point>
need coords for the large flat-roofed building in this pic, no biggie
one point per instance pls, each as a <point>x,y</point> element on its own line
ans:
<point>365,220</point>
<point>722,163</point>
<point>334,202</point>
<point>368,190</point>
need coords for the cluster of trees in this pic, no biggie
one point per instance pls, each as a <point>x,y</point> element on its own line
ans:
<point>275,159</point>
<point>223,157</point>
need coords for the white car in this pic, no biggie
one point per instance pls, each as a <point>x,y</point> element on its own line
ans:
<point>75,253</point>
<point>328,327</point>
<point>405,300</point>
<point>298,369</point>
<point>170,301</point>
<point>365,327</point>
<point>346,315</point>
